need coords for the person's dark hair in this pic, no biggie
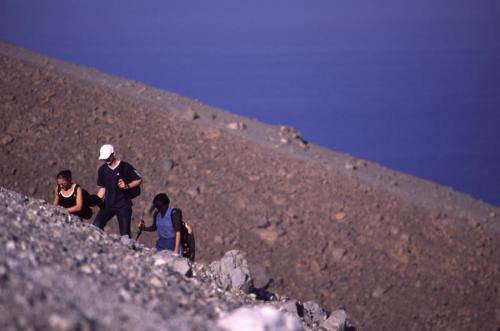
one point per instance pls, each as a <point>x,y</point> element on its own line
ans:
<point>64,174</point>
<point>161,198</point>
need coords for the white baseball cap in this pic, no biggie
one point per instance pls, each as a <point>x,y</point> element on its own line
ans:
<point>106,151</point>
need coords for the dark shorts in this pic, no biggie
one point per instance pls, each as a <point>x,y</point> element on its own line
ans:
<point>90,200</point>
<point>123,214</point>
<point>85,213</point>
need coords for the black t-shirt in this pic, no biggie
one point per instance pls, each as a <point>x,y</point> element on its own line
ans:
<point>108,178</point>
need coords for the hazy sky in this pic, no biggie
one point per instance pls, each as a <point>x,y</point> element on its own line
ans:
<point>125,25</point>
<point>414,85</point>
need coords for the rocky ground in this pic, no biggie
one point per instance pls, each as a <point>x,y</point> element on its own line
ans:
<point>58,273</point>
<point>396,252</point>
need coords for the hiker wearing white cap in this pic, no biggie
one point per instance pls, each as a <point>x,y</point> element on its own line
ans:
<point>118,183</point>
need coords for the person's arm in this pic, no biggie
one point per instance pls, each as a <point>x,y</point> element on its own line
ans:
<point>177,223</point>
<point>189,228</point>
<point>79,201</point>
<point>131,174</point>
<point>101,191</point>
<point>151,228</point>
<point>56,196</point>
<point>134,183</point>
<point>177,242</point>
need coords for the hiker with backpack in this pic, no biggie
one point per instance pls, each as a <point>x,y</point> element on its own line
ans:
<point>118,183</point>
<point>174,234</point>
<point>73,197</point>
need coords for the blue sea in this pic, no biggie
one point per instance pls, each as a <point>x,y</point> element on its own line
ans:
<point>415,87</point>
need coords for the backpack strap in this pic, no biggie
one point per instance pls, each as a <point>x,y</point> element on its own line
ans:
<point>120,170</point>
<point>74,189</point>
<point>172,214</point>
<point>172,218</point>
<point>123,174</point>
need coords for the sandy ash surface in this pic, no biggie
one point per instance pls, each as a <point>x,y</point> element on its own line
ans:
<point>398,252</point>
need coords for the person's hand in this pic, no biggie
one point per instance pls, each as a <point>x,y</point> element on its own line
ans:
<point>121,184</point>
<point>141,225</point>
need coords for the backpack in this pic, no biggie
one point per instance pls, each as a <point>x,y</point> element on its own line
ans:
<point>132,192</point>
<point>89,201</point>
<point>187,238</point>
<point>86,212</point>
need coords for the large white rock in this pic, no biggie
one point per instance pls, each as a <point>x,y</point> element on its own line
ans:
<point>336,321</point>
<point>313,313</point>
<point>175,263</point>
<point>232,272</point>
<point>259,318</point>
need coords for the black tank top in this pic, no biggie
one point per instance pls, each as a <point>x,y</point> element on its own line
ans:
<point>68,201</point>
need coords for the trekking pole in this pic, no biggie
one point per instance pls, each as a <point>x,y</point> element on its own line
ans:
<point>140,230</point>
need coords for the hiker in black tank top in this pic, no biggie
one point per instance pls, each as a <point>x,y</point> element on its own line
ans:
<point>68,201</point>
<point>70,195</point>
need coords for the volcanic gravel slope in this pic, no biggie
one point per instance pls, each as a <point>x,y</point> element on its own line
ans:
<point>399,253</point>
<point>58,273</point>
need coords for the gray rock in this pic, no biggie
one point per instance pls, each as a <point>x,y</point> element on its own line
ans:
<point>338,253</point>
<point>169,164</point>
<point>263,318</point>
<point>236,126</point>
<point>289,134</point>
<point>60,322</point>
<point>191,114</point>
<point>5,140</point>
<point>350,166</point>
<point>86,269</point>
<point>263,223</point>
<point>175,263</point>
<point>378,292</point>
<point>155,282</point>
<point>125,295</point>
<point>260,275</point>
<point>231,272</point>
<point>193,192</point>
<point>313,313</point>
<point>293,307</point>
<point>336,321</point>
